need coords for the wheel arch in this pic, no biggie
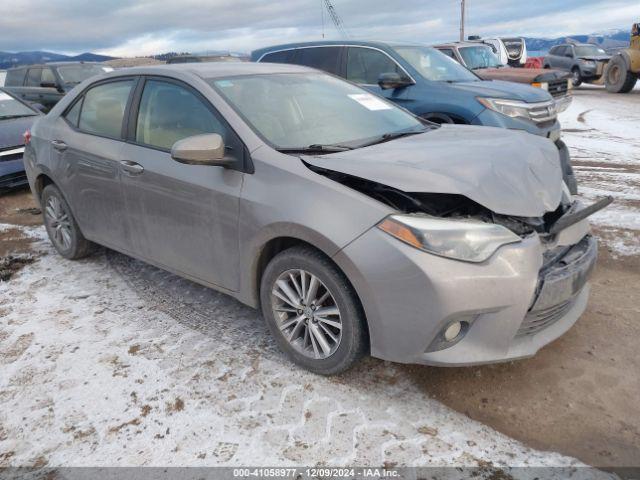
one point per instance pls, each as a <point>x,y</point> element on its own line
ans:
<point>272,246</point>
<point>41,181</point>
<point>444,117</point>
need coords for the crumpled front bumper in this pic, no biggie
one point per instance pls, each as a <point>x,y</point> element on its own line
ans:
<point>514,303</point>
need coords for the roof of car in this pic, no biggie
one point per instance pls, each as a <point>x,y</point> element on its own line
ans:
<point>337,43</point>
<point>576,45</point>
<point>462,44</point>
<point>54,64</point>
<point>213,69</point>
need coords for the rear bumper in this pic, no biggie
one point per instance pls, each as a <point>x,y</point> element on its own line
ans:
<point>507,303</point>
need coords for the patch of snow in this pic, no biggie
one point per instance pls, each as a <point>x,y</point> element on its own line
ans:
<point>601,129</point>
<point>109,361</point>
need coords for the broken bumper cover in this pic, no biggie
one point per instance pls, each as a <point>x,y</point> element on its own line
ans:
<point>512,305</point>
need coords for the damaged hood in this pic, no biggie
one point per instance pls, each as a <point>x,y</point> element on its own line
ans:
<point>508,172</point>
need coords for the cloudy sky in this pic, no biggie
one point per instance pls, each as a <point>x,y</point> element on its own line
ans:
<point>144,27</point>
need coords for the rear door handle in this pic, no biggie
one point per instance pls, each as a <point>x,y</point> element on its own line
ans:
<point>132,168</point>
<point>59,145</point>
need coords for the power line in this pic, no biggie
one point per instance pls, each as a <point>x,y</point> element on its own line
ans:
<point>462,19</point>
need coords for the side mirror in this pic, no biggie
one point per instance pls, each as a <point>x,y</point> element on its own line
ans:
<point>393,80</point>
<point>568,55</point>
<point>48,85</point>
<point>206,149</point>
<point>38,106</point>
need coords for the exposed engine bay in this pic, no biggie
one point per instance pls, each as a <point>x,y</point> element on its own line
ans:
<point>456,206</point>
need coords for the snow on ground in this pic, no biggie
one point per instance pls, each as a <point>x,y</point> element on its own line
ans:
<point>109,361</point>
<point>601,130</point>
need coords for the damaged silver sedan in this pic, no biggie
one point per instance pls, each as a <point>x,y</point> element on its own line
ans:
<point>355,227</point>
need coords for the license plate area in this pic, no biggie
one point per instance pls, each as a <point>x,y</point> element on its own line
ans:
<point>565,278</point>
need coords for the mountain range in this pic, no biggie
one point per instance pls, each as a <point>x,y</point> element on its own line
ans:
<point>9,59</point>
<point>610,40</point>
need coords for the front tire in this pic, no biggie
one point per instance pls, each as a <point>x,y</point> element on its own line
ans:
<point>617,78</point>
<point>312,311</point>
<point>576,77</point>
<point>63,231</point>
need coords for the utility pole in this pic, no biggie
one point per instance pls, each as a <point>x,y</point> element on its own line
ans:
<point>322,16</point>
<point>462,15</point>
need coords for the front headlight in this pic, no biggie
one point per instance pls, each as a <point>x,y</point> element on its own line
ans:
<point>536,112</point>
<point>542,85</point>
<point>469,241</point>
<point>589,63</point>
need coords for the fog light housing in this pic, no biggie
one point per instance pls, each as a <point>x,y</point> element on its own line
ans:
<point>452,331</point>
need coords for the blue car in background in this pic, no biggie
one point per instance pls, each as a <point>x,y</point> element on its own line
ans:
<point>431,85</point>
<point>16,117</point>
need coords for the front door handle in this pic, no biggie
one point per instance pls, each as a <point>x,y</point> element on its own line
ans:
<point>59,145</point>
<point>132,168</point>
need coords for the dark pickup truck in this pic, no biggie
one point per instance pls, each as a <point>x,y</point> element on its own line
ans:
<point>47,83</point>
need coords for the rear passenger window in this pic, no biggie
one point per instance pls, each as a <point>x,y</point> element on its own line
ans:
<point>365,65</point>
<point>33,77</point>
<point>15,77</point>
<point>47,76</point>
<point>103,108</point>
<point>277,57</point>
<point>169,112</point>
<point>322,58</point>
<point>73,115</point>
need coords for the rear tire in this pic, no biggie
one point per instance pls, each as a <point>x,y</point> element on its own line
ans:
<point>63,231</point>
<point>576,77</point>
<point>617,78</point>
<point>309,338</point>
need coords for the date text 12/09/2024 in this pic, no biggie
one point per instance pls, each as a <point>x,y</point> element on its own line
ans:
<point>312,473</point>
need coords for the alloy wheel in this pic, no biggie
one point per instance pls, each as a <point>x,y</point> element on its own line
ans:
<point>307,314</point>
<point>59,223</point>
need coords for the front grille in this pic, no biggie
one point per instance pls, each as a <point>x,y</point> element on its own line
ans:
<point>11,153</point>
<point>563,275</point>
<point>541,319</point>
<point>543,112</point>
<point>558,88</point>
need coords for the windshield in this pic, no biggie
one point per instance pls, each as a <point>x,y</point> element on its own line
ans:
<point>79,73</point>
<point>298,110</point>
<point>435,65</point>
<point>479,57</point>
<point>589,51</point>
<point>11,108</point>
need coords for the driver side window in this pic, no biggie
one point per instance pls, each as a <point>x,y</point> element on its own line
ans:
<point>169,112</point>
<point>365,65</point>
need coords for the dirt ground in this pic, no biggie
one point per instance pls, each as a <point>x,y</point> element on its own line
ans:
<point>576,397</point>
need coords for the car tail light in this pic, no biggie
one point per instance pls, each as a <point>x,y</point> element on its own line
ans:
<point>27,137</point>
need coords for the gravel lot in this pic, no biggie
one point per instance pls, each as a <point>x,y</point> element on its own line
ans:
<point>109,361</point>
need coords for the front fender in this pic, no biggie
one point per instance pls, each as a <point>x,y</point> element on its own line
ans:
<point>255,248</point>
